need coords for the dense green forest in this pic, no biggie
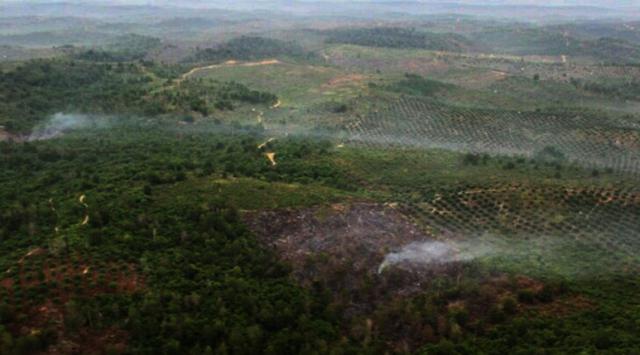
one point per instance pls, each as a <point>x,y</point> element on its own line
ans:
<point>395,37</point>
<point>206,282</point>
<point>123,49</point>
<point>251,48</point>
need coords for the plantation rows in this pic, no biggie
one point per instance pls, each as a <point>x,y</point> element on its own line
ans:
<point>597,226</point>
<point>590,140</point>
<point>590,220</point>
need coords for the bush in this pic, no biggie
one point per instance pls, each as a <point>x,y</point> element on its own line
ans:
<point>461,316</point>
<point>509,306</point>
<point>471,159</point>
<point>545,295</point>
<point>526,296</point>
<point>496,314</point>
<point>550,154</point>
<point>29,344</point>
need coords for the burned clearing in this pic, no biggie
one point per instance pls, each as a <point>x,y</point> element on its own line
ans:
<point>343,246</point>
<point>375,264</point>
<point>337,237</point>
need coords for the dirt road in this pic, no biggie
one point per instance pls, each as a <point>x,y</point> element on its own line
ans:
<point>267,142</point>
<point>272,158</point>
<point>229,63</point>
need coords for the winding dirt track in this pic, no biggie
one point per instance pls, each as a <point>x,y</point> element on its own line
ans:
<point>272,158</point>
<point>267,142</point>
<point>229,63</point>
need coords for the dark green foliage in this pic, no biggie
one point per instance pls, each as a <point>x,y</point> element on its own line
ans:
<point>40,88</point>
<point>622,89</point>
<point>250,48</point>
<point>470,159</point>
<point>550,155</point>
<point>239,92</point>
<point>395,37</point>
<point>545,295</point>
<point>207,281</point>
<point>416,85</point>
<point>509,306</point>
<point>526,296</point>
<point>122,49</point>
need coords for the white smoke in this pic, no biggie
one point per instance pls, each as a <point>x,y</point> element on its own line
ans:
<point>62,122</point>
<point>435,252</point>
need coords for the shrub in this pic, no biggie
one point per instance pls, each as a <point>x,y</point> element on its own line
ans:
<point>509,306</point>
<point>496,314</point>
<point>526,296</point>
<point>545,295</point>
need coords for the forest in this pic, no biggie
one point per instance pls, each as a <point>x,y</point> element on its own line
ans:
<point>40,88</point>
<point>394,37</point>
<point>251,48</point>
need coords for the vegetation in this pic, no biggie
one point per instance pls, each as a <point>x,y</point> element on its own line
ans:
<point>207,240</point>
<point>123,49</point>
<point>416,85</point>
<point>545,42</point>
<point>41,88</point>
<point>395,37</point>
<point>250,48</point>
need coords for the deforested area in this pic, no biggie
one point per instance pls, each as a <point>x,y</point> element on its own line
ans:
<point>319,177</point>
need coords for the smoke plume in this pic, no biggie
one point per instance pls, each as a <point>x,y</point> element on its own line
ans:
<point>435,252</point>
<point>61,122</point>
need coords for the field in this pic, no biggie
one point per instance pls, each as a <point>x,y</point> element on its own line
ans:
<point>231,182</point>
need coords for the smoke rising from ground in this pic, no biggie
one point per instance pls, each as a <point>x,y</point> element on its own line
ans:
<point>547,254</point>
<point>60,123</point>
<point>435,252</point>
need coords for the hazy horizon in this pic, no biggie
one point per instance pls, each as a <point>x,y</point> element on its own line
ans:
<point>219,3</point>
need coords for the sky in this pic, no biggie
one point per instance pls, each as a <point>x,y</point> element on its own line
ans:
<point>600,3</point>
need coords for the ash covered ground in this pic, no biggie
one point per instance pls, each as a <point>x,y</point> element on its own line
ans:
<point>365,252</point>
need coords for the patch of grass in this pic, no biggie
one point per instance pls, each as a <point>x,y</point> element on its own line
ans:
<point>254,194</point>
<point>295,84</point>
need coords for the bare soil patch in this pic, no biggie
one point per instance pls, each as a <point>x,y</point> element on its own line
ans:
<point>229,63</point>
<point>344,80</point>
